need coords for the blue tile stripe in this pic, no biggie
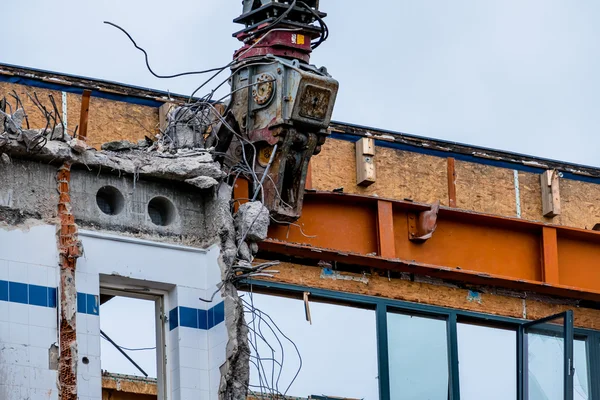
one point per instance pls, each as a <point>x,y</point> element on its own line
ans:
<point>22,293</point>
<point>196,319</point>
<point>88,303</point>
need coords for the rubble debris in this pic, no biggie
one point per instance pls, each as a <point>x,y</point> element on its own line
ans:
<point>203,182</point>
<point>186,127</point>
<point>134,162</point>
<point>5,159</point>
<point>235,372</point>
<point>13,123</point>
<point>252,221</point>
<point>78,145</point>
<point>120,145</point>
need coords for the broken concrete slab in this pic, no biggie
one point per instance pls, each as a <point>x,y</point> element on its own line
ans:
<point>13,123</point>
<point>79,146</point>
<point>252,221</point>
<point>119,145</point>
<point>203,182</point>
<point>138,162</point>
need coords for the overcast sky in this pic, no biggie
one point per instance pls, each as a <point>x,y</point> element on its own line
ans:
<point>508,74</point>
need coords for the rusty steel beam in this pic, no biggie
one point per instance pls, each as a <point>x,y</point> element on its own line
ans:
<point>465,246</point>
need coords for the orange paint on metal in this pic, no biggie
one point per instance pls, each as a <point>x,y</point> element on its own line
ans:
<point>241,192</point>
<point>451,274</point>
<point>349,226</point>
<point>481,248</point>
<point>83,119</point>
<point>550,255</point>
<point>309,185</point>
<point>451,182</point>
<point>466,246</point>
<point>385,229</point>
<point>579,259</point>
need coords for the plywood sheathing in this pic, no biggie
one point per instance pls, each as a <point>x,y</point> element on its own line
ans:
<point>111,120</point>
<point>400,174</point>
<point>580,202</point>
<point>440,295</point>
<point>485,189</point>
<point>36,119</point>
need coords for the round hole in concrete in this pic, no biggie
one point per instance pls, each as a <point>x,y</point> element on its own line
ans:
<point>110,201</point>
<point>161,211</point>
<point>85,360</point>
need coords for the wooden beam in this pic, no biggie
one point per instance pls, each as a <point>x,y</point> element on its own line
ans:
<point>451,182</point>
<point>550,273</point>
<point>83,117</point>
<point>365,162</point>
<point>385,229</point>
<point>163,113</point>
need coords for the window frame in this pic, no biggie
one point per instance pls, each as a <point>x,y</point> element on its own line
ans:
<point>384,305</point>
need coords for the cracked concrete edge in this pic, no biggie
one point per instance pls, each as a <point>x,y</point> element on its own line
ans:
<point>136,162</point>
<point>235,372</point>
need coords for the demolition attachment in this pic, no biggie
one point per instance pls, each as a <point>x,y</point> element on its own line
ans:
<point>280,104</point>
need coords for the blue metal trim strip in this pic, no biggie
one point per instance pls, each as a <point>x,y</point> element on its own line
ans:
<point>463,157</point>
<point>77,90</point>
<point>187,317</point>
<point>23,293</point>
<point>88,304</point>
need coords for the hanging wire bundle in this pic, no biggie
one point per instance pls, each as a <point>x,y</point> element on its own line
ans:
<point>201,115</point>
<point>265,336</point>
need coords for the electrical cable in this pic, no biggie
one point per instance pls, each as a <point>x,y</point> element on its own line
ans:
<point>129,349</point>
<point>148,63</point>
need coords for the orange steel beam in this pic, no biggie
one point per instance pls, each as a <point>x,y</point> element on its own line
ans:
<point>466,246</point>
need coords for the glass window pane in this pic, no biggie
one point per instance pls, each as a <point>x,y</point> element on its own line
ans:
<point>580,379</point>
<point>487,363</point>
<point>418,357</point>
<point>545,347</point>
<point>338,351</point>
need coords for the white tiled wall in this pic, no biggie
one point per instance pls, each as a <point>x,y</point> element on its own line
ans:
<point>192,359</point>
<point>28,331</point>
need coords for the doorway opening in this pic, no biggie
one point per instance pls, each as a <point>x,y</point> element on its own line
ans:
<point>132,336</point>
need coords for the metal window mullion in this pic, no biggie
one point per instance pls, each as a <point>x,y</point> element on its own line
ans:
<point>520,363</point>
<point>593,344</point>
<point>453,357</point>
<point>383,362</point>
<point>568,370</point>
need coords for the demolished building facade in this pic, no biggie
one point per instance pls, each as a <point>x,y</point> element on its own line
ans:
<point>108,189</point>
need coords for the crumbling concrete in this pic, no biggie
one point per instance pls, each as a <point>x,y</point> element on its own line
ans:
<point>69,249</point>
<point>203,182</point>
<point>252,221</point>
<point>235,372</point>
<point>186,127</point>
